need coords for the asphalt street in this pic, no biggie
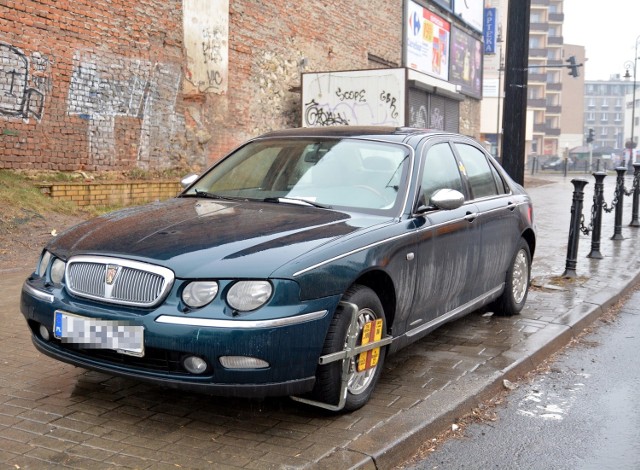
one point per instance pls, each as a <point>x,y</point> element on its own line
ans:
<point>580,412</point>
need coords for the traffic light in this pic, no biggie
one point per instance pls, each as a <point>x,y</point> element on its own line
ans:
<point>573,67</point>
<point>590,136</point>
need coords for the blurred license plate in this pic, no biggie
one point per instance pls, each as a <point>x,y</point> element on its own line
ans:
<point>122,337</point>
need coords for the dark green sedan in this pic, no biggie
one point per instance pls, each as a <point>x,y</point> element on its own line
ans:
<point>291,267</point>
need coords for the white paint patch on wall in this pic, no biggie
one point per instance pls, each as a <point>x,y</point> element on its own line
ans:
<point>206,41</point>
<point>106,86</point>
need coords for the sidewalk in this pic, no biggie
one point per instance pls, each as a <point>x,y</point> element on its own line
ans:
<point>55,414</point>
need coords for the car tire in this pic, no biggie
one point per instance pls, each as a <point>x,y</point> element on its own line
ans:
<point>516,287</point>
<point>329,376</point>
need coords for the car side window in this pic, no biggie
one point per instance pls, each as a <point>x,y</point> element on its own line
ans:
<point>502,186</point>
<point>440,171</point>
<point>479,171</point>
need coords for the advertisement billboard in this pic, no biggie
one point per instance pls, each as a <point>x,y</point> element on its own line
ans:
<point>427,41</point>
<point>373,97</point>
<point>466,63</point>
<point>470,11</point>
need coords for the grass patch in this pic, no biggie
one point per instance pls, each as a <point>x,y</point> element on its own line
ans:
<point>19,196</point>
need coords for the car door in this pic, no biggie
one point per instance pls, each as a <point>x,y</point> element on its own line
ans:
<point>447,255</point>
<point>497,220</point>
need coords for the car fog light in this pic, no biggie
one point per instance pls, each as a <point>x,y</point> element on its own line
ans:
<point>44,333</point>
<point>242,362</point>
<point>195,364</point>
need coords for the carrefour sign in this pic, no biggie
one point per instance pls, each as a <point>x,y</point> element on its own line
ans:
<point>427,39</point>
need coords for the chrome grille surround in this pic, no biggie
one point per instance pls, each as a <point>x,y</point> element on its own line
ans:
<point>118,281</point>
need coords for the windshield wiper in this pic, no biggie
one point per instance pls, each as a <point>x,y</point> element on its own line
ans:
<point>295,200</point>
<point>208,195</point>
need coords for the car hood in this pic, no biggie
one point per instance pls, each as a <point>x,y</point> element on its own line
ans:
<point>202,238</point>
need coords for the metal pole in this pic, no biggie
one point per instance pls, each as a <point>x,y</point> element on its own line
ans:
<point>617,229</point>
<point>574,228</point>
<point>633,105</point>
<point>514,112</point>
<point>500,68</point>
<point>598,201</point>
<point>636,196</point>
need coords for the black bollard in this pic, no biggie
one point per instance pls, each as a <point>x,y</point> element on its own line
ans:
<point>598,165</point>
<point>617,228</point>
<point>574,228</point>
<point>598,201</point>
<point>533,165</point>
<point>636,196</point>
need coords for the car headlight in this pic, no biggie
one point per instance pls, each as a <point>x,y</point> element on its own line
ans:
<point>249,295</point>
<point>57,271</point>
<point>199,293</point>
<point>44,263</point>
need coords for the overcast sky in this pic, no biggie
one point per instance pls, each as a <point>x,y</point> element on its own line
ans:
<point>608,30</point>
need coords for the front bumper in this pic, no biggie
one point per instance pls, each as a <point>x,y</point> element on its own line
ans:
<point>289,338</point>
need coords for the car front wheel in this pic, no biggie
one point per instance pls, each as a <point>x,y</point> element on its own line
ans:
<point>360,384</point>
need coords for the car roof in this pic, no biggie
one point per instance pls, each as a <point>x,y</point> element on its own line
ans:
<point>397,134</point>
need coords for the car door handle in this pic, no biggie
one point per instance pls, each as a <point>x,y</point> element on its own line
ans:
<point>471,216</point>
<point>511,206</point>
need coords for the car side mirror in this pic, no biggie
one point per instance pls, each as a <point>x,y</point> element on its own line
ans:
<point>187,180</point>
<point>447,199</point>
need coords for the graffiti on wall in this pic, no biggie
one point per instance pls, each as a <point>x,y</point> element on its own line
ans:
<point>206,41</point>
<point>364,97</point>
<point>104,87</point>
<point>24,83</point>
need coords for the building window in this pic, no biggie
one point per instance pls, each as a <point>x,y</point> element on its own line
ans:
<point>604,117</point>
<point>618,117</point>
<point>604,132</point>
<point>591,117</point>
<point>605,103</point>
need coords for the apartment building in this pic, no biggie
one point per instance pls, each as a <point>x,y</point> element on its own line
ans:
<point>604,110</point>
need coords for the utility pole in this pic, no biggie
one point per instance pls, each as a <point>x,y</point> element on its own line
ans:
<point>514,116</point>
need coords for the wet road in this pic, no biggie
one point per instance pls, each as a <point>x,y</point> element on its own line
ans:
<point>582,413</point>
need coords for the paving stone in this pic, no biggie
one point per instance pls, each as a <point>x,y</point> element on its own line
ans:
<point>53,414</point>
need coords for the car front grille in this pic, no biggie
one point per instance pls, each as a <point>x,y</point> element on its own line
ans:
<point>118,281</point>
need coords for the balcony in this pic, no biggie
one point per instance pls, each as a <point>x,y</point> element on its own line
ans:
<point>556,17</point>
<point>538,53</point>
<point>539,128</point>
<point>539,27</point>
<point>539,2</point>
<point>554,86</point>
<point>554,109</point>
<point>555,40</point>
<point>551,131</point>
<point>555,62</point>
<point>537,77</point>
<point>536,103</point>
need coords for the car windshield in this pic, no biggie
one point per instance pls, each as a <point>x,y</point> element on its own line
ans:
<point>340,173</point>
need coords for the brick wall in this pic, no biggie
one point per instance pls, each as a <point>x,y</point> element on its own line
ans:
<point>121,193</point>
<point>100,84</point>
<point>90,84</point>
